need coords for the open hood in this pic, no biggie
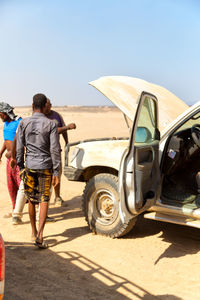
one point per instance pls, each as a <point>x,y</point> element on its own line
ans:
<point>125,92</point>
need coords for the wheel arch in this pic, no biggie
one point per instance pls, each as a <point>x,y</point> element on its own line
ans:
<point>92,171</point>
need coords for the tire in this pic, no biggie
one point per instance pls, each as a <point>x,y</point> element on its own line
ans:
<point>101,206</point>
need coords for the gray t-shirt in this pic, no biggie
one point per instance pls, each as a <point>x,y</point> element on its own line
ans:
<point>37,136</point>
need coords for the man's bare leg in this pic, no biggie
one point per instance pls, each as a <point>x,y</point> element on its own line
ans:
<point>42,220</point>
<point>58,199</point>
<point>32,216</point>
<point>57,190</point>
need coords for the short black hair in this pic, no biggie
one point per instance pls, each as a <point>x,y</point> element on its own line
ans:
<point>39,101</point>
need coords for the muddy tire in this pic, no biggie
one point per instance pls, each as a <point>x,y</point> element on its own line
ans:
<point>101,206</point>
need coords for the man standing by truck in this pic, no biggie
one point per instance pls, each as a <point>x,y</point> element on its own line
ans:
<point>37,137</point>
<point>62,129</point>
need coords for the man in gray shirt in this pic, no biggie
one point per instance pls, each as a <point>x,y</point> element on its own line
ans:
<point>38,139</point>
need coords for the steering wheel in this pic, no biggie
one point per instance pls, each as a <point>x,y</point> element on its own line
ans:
<point>195,131</point>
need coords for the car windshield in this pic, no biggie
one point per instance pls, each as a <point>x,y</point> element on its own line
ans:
<point>195,119</point>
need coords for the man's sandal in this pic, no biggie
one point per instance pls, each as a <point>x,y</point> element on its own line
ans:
<point>41,245</point>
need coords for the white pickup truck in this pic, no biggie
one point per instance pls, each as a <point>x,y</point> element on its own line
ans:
<point>143,172</point>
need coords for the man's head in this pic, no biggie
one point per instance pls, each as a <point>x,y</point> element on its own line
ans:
<point>48,107</point>
<point>6,112</point>
<point>39,102</point>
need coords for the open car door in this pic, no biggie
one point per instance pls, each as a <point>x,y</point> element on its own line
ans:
<point>139,172</point>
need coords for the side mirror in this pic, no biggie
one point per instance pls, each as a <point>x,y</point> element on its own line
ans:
<point>142,135</point>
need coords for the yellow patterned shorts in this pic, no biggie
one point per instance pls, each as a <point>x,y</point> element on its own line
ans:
<point>37,185</point>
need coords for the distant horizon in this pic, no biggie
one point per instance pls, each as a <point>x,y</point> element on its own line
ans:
<point>16,106</point>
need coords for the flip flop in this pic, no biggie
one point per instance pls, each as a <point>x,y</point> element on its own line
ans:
<point>41,245</point>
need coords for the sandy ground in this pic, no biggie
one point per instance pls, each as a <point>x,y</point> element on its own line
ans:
<point>154,261</point>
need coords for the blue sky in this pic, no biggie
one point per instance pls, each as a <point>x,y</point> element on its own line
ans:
<point>57,47</point>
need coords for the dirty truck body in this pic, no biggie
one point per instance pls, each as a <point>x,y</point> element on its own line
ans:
<point>144,172</point>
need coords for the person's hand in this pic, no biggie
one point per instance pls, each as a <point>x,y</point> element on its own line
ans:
<point>8,154</point>
<point>22,174</point>
<point>55,181</point>
<point>71,126</point>
<point>13,163</point>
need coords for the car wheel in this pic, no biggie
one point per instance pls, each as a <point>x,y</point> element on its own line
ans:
<point>101,206</point>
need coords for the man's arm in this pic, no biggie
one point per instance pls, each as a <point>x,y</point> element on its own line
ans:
<point>13,161</point>
<point>65,128</point>
<point>55,150</point>
<point>20,146</point>
<point>64,132</point>
<point>65,136</point>
<point>13,149</point>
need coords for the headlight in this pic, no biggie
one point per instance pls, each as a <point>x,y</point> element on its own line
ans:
<point>74,153</point>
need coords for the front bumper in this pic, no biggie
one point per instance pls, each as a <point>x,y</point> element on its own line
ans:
<point>73,174</point>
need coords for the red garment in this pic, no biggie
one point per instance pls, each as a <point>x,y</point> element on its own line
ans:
<point>13,181</point>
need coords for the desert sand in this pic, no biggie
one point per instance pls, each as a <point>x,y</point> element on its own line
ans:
<point>155,260</point>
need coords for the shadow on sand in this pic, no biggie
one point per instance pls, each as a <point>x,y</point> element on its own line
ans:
<point>182,240</point>
<point>42,274</point>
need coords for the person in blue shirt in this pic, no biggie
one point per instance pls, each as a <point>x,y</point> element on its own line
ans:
<point>11,122</point>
